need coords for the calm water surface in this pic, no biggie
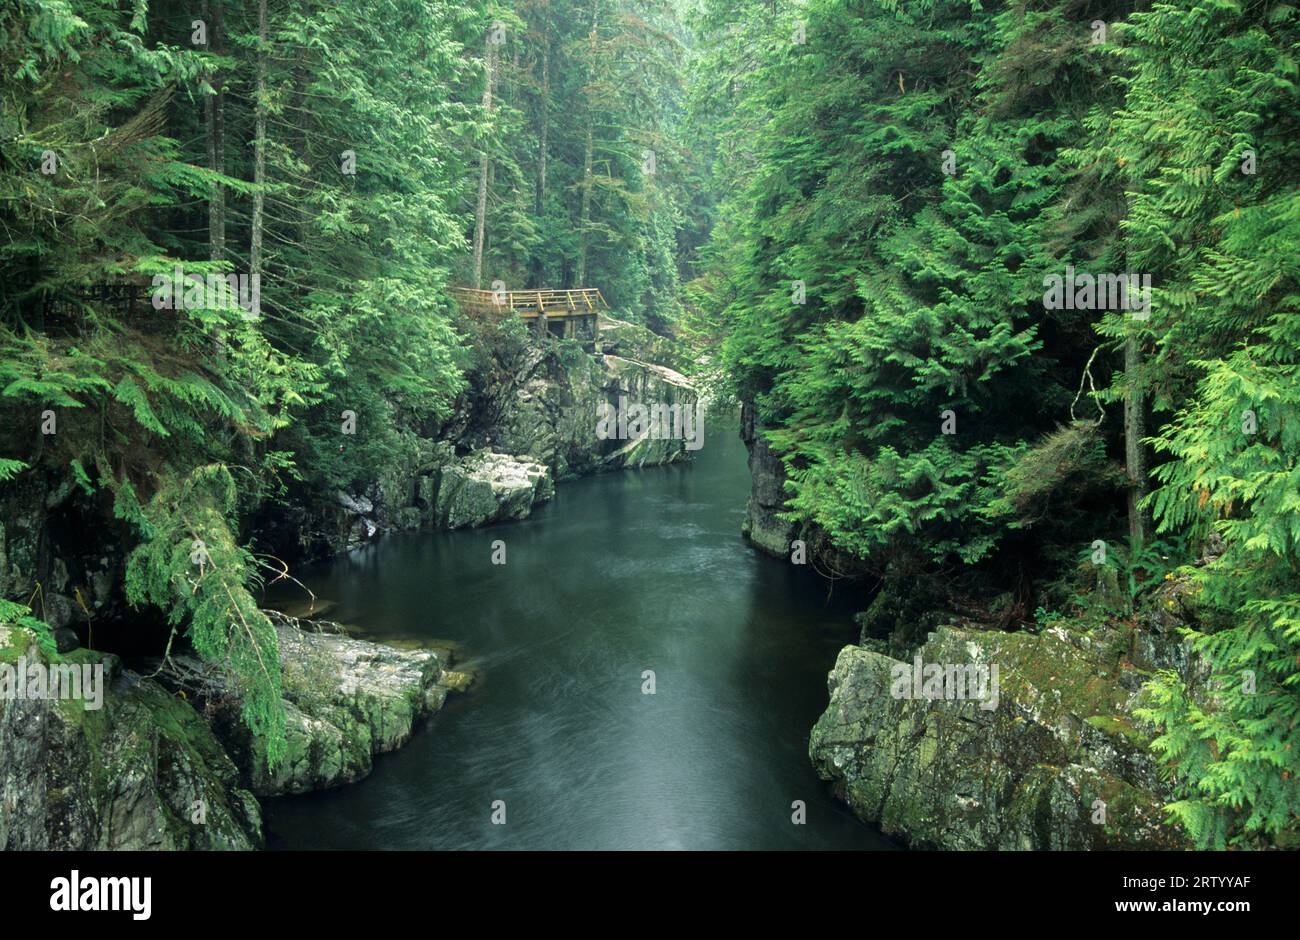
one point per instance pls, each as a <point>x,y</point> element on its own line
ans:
<point>621,573</point>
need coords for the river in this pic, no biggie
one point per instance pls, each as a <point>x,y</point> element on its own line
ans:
<point>621,573</point>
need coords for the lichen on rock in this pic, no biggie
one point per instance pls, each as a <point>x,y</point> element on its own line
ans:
<point>346,700</point>
<point>1060,763</point>
<point>143,772</point>
<point>488,487</point>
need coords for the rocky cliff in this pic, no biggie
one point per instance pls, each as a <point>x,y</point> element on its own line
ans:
<point>543,401</point>
<point>766,490</point>
<point>527,421</point>
<point>1056,760</point>
<point>144,771</point>
<point>55,538</point>
<point>346,701</point>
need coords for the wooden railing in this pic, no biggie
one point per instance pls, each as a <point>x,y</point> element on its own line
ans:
<point>576,302</point>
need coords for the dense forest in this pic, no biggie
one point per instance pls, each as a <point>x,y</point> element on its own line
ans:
<point>1010,290</point>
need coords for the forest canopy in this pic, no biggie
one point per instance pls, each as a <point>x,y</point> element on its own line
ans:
<point>905,189</point>
<point>998,282</point>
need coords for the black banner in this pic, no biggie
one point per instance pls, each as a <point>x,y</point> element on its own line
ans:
<point>212,891</point>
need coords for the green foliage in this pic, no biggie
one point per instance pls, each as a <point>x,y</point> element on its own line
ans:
<point>1138,568</point>
<point>608,72</point>
<point>1043,617</point>
<point>922,285</point>
<point>163,408</point>
<point>924,296</point>
<point>862,198</point>
<point>155,144</point>
<point>21,615</point>
<point>1225,356</point>
<point>189,564</point>
<point>1069,460</point>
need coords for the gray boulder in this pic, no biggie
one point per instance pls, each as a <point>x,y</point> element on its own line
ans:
<point>143,772</point>
<point>1059,763</point>
<point>345,699</point>
<point>489,487</point>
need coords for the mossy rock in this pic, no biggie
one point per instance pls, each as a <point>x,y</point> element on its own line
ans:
<point>1026,774</point>
<point>144,771</point>
<point>346,700</point>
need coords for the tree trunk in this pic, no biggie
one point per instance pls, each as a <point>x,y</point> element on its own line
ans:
<point>586,212</point>
<point>585,215</point>
<point>1135,425</point>
<point>544,120</point>
<point>301,80</point>
<point>259,150</point>
<point>214,110</point>
<point>1134,430</point>
<point>480,213</point>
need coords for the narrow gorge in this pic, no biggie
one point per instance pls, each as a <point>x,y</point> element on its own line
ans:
<point>175,728</point>
<point>637,425</point>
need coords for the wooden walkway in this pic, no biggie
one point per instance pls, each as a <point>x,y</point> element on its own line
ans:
<point>577,302</point>
<point>567,313</point>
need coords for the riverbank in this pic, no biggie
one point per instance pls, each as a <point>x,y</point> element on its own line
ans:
<point>620,574</point>
<point>528,418</point>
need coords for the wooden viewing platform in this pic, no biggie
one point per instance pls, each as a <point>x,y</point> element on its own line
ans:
<point>573,311</point>
<point>578,301</point>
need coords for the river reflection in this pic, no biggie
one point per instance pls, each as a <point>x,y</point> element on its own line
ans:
<point>621,574</point>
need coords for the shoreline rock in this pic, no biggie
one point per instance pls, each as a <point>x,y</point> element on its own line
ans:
<point>346,700</point>
<point>487,487</point>
<point>143,772</point>
<point>761,526</point>
<point>1027,774</point>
